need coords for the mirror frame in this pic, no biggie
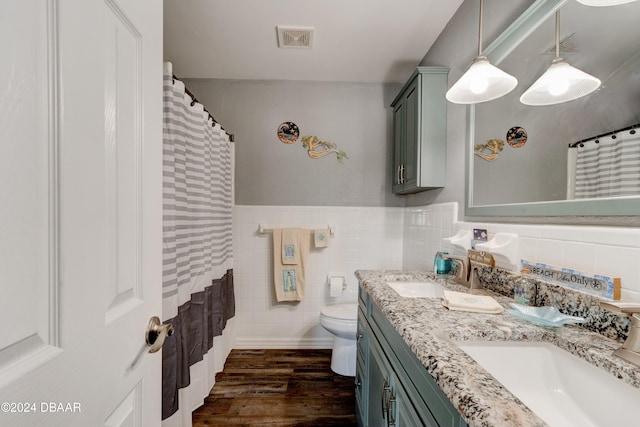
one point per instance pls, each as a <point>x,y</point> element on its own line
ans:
<point>518,31</point>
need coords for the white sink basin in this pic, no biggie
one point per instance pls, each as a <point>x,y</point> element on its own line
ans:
<point>559,387</point>
<point>417,289</point>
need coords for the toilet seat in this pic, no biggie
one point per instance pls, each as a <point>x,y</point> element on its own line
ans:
<point>345,312</point>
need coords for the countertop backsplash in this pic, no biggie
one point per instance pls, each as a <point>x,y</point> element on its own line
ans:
<point>568,301</point>
<point>432,332</point>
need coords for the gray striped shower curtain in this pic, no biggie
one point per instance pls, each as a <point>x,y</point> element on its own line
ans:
<point>198,297</point>
<point>609,167</point>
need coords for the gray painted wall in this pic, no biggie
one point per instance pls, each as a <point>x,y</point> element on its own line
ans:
<point>537,171</point>
<point>354,116</point>
<point>455,48</point>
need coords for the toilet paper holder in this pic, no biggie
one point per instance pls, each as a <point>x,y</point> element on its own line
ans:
<point>337,284</point>
<point>336,276</point>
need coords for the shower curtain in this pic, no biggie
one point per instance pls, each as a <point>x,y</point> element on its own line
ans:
<point>607,168</point>
<point>198,296</point>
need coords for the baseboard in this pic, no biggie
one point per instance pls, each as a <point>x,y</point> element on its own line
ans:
<point>246,343</point>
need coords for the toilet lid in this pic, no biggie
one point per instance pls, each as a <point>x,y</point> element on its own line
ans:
<point>341,311</point>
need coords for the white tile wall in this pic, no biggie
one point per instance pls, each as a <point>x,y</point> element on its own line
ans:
<point>611,251</point>
<point>391,238</point>
<point>365,238</point>
<point>424,229</point>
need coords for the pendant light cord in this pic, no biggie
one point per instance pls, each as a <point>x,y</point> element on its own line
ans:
<point>480,28</point>
<point>557,34</point>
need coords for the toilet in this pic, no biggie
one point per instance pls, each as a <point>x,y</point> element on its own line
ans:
<point>342,321</point>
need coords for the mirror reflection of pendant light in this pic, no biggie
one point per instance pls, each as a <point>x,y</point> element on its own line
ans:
<point>598,3</point>
<point>482,81</point>
<point>561,82</point>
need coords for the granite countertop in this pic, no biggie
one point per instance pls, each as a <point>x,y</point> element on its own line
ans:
<point>431,331</point>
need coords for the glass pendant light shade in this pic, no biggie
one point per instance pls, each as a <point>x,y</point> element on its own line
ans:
<point>482,82</point>
<point>598,3</point>
<point>560,83</point>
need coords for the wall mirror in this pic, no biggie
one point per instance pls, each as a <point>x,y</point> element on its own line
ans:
<point>534,176</point>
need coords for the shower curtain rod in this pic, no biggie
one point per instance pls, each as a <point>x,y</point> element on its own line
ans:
<point>632,128</point>
<point>194,100</point>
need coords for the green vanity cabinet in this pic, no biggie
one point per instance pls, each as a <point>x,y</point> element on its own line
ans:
<point>419,131</point>
<point>388,402</point>
<point>362,362</point>
<point>393,388</point>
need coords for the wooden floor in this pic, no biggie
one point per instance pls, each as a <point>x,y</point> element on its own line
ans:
<point>278,388</point>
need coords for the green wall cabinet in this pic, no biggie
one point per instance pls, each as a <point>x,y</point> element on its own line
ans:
<point>392,386</point>
<point>420,131</point>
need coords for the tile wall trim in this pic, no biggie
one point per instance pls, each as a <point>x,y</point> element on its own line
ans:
<point>611,251</point>
<point>393,239</point>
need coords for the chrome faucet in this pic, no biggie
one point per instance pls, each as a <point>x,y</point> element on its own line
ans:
<point>474,276</point>
<point>464,272</point>
<point>630,350</point>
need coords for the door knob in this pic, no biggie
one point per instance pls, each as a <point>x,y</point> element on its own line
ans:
<point>157,333</point>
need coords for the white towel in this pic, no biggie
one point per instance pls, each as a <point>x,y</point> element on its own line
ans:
<point>289,279</point>
<point>460,301</point>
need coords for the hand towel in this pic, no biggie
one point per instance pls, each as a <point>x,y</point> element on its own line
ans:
<point>321,237</point>
<point>460,301</point>
<point>289,279</point>
<point>290,249</point>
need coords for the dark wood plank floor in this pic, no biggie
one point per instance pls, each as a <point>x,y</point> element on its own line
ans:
<point>278,388</point>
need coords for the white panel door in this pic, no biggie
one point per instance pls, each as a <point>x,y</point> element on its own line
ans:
<point>80,211</point>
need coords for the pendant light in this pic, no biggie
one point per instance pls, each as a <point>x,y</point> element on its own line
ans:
<point>561,82</point>
<point>599,3</point>
<point>482,81</point>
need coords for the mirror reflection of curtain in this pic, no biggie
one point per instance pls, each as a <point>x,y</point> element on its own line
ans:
<point>609,167</point>
<point>572,159</point>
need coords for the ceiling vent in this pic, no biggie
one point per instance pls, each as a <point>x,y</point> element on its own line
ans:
<point>295,37</point>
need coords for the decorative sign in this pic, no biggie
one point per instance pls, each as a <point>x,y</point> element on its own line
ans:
<point>516,136</point>
<point>481,257</point>
<point>596,284</point>
<point>288,132</point>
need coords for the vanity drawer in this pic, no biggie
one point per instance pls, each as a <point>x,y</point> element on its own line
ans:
<point>413,374</point>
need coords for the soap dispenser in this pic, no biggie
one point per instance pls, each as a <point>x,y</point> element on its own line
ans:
<point>524,289</point>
